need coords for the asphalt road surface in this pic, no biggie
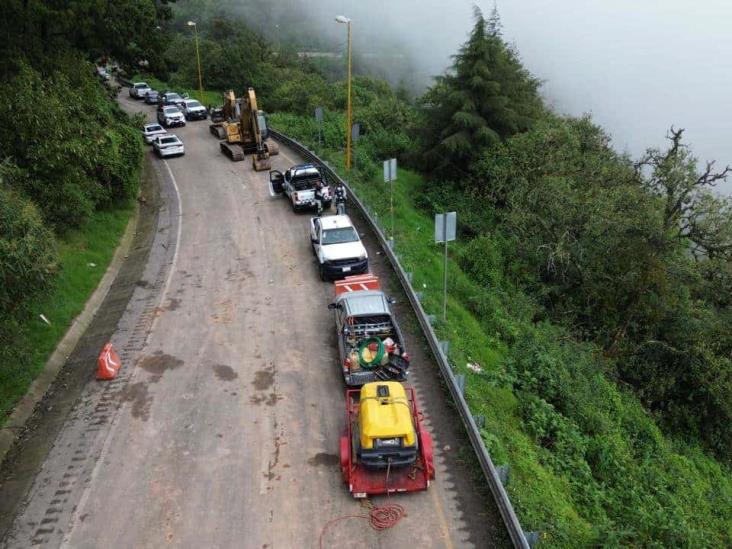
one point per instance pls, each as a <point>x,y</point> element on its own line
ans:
<point>222,429</point>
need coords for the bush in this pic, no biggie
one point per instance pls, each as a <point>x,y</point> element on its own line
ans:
<point>27,249</point>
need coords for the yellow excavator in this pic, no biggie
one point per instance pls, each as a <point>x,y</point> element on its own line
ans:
<point>247,133</point>
<point>223,114</point>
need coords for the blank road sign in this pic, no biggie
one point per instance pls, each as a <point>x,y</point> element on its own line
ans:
<point>445,227</point>
<point>390,170</point>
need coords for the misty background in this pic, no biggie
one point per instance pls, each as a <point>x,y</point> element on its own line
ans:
<point>637,66</point>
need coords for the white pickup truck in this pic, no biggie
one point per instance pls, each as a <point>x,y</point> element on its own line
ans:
<point>138,90</point>
<point>303,185</point>
<point>337,247</point>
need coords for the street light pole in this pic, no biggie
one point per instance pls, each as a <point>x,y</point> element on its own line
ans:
<point>198,61</point>
<point>349,112</point>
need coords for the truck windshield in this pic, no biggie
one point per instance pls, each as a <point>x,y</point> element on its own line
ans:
<point>340,236</point>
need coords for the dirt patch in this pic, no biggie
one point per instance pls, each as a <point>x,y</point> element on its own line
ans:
<point>264,379</point>
<point>141,400</point>
<point>270,400</point>
<point>327,460</point>
<point>173,304</point>
<point>158,363</point>
<point>143,284</point>
<point>224,372</point>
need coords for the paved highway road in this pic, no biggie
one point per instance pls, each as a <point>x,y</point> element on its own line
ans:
<point>222,430</point>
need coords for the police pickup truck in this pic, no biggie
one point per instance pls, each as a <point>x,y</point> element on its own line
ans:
<point>337,247</point>
<point>303,185</point>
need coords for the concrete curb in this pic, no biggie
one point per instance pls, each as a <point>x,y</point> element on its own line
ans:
<point>25,406</point>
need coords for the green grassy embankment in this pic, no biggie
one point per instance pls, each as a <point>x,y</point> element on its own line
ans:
<point>93,243</point>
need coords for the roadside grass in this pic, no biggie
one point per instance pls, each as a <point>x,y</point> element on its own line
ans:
<point>93,243</point>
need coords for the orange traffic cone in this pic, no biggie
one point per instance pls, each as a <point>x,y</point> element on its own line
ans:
<point>108,363</point>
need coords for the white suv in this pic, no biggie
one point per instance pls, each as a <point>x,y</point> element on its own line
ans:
<point>337,247</point>
<point>139,90</point>
<point>170,115</point>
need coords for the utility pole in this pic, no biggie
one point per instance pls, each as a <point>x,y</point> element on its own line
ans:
<point>198,61</point>
<point>349,113</point>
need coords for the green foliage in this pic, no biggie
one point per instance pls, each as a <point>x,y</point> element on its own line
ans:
<point>41,32</point>
<point>74,149</point>
<point>27,248</point>
<point>488,96</point>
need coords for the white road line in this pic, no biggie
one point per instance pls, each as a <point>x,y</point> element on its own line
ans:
<point>73,520</point>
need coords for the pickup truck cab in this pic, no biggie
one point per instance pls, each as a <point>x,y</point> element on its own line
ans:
<point>337,247</point>
<point>304,185</point>
<point>193,110</point>
<point>370,343</point>
<point>138,90</point>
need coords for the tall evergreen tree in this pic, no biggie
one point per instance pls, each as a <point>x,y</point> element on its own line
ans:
<point>486,97</point>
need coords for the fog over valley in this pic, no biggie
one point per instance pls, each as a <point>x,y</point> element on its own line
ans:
<point>637,67</point>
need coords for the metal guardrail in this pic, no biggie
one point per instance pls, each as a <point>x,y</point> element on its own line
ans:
<point>456,387</point>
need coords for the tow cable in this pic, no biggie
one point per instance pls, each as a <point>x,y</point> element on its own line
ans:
<point>380,517</point>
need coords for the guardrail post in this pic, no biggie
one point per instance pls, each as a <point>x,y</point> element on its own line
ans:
<point>460,382</point>
<point>431,319</point>
<point>479,421</point>
<point>419,295</point>
<point>503,473</point>
<point>409,276</point>
<point>532,538</point>
<point>445,346</point>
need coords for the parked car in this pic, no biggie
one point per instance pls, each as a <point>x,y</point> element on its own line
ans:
<point>193,110</point>
<point>168,145</point>
<point>303,185</point>
<point>337,247</point>
<point>138,90</point>
<point>170,98</point>
<point>152,131</point>
<point>152,97</point>
<point>170,115</point>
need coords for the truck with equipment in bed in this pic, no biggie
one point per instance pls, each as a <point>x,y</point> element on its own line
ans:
<point>370,343</point>
<point>385,449</point>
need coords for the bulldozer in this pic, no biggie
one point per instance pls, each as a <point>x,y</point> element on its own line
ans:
<point>246,132</point>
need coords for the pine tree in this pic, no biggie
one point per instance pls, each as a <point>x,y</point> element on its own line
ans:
<point>486,97</point>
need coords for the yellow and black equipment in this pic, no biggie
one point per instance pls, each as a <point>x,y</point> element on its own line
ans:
<point>246,132</point>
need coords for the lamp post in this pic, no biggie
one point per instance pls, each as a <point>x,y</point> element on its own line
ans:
<point>198,61</point>
<point>349,114</point>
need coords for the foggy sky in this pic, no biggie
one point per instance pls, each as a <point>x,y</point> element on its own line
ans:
<point>638,66</point>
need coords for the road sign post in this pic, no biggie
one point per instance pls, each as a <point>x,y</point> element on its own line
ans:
<point>445,231</point>
<point>355,134</point>
<point>319,120</point>
<point>390,175</point>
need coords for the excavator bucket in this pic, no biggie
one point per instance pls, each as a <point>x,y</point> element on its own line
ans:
<point>261,164</point>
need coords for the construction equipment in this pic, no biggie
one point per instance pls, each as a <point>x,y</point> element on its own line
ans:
<point>247,133</point>
<point>385,449</point>
<point>226,113</point>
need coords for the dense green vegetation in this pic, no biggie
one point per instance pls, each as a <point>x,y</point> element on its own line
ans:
<point>69,167</point>
<point>591,288</point>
